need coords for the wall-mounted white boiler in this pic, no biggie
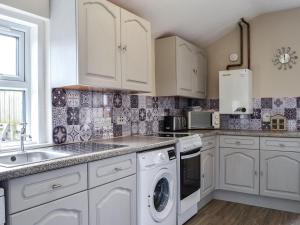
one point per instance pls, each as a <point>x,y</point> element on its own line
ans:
<point>235,91</point>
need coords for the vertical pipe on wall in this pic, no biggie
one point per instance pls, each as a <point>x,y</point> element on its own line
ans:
<point>241,48</point>
<point>248,43</point>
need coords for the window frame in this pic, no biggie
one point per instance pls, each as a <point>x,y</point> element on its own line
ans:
<point>22,82</point>
<point>20,32</point>
<point>36,86</point>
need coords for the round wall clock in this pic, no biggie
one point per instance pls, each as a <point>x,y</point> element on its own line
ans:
<point>284,58</point>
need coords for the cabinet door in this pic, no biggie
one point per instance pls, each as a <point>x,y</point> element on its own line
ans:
<point>280,174</point>
<point>200,75</point>
<point>99,44</point>
<point>185,67</point>
<point>113,203</point>
<point>71,210</point>
<point>136,52</point>
<point>207,172</point>
<point>239,170</point>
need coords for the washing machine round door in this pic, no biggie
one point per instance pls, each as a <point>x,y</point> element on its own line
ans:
<point>162,196</point>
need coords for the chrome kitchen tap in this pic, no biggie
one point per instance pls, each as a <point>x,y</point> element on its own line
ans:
<point>23,136</point>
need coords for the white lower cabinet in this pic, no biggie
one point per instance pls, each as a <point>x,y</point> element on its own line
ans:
<point>113,203</point>
<point>239,170</point>
<point>280,174</point>
<point>72,210</point>
<point>208,163</point>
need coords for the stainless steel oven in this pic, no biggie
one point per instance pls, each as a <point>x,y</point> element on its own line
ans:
<point>190,164</point>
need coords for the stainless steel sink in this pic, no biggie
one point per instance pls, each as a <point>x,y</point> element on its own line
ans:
<point>14,159</point>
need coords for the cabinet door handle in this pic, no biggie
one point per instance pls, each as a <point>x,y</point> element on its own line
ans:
<point>255,173</point>
<point>117,169</point>
<point>120,47</point>
<point>203,176</point>
<point>125,48</point>
<point>238,142</point>
<point>56,186</point>
<point>282,145</point>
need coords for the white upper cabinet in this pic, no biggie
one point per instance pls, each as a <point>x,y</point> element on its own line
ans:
<point>185,64</point>
<point>180,68</point>
<point>200,75</point>
<point>136,52</point>
<point>99,45</point>
<point>99,35</point>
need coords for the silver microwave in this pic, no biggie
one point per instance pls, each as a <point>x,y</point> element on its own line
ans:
<point>203,120</point>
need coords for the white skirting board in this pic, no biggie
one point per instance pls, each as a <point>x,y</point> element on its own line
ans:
<point>255,200</point>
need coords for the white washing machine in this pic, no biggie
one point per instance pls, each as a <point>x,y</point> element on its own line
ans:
<point>2,207</point>
<point>157,187</point>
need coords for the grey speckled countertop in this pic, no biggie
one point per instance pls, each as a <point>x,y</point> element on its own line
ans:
<point>87,152</point>
<point>253,133</point>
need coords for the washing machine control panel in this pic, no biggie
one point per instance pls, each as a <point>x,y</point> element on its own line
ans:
<point>154,158</point>
<point>172,154</point>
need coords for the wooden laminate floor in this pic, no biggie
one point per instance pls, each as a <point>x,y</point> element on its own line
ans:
<point>227,213</point>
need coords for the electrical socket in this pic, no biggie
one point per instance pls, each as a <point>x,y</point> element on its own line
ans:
<point>121,120</point>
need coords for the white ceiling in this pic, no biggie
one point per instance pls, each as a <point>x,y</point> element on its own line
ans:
<point>200,21</point>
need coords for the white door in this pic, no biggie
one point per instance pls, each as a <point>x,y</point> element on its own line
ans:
<point>136,52</point>
<point>185,67</point>
<point>280,174</point>
<point>99,44</point>
<point>239,170</point>
<point>113,203</point>
<point>200,75</point>
<point>207,172</point>
<point>71,210</point>
<point>161,197</point>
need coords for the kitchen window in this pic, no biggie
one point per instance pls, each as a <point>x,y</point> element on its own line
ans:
<point>12,46</point>
<point>22,79</point>
<point>15,82</point>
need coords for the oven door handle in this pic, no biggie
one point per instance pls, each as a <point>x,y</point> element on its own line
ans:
<point>190,156</point>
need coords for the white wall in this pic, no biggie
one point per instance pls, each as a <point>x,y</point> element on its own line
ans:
<point>37,7</point>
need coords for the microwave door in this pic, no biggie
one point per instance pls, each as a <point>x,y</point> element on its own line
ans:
<point>202,120</point>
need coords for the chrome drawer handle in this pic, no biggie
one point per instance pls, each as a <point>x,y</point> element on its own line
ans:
<point>238,142</point>
<point>118,169</point>
<point>282,145</point>
<point>56,186</point>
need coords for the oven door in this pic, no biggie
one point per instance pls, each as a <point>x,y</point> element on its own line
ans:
<point>189,172</point>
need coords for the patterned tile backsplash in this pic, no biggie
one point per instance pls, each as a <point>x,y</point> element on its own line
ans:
<point>286,106</point>
<point>85,115</point>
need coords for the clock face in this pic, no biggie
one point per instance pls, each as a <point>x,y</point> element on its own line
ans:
<point>284,58</point>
